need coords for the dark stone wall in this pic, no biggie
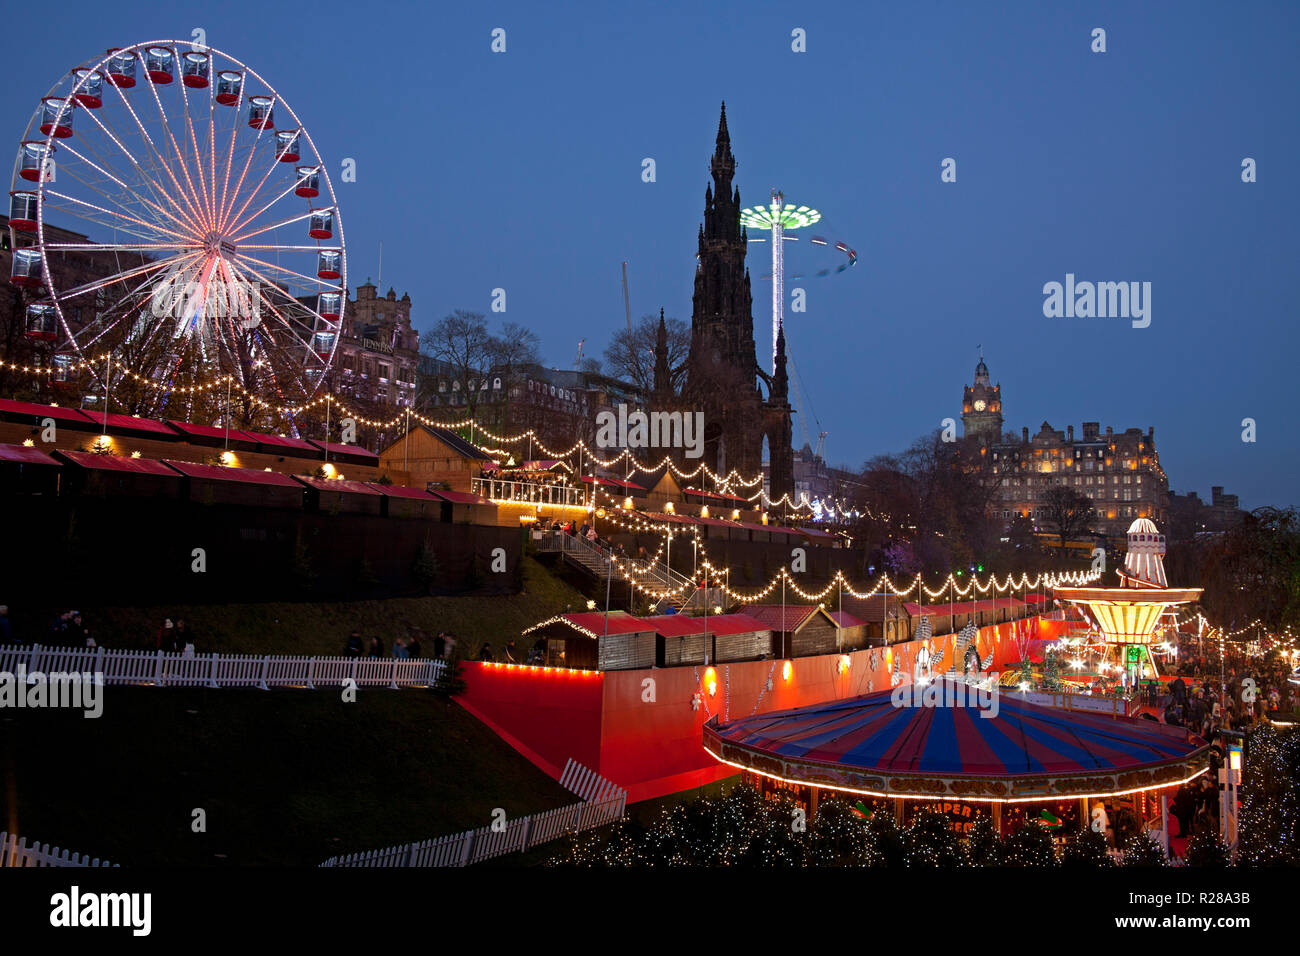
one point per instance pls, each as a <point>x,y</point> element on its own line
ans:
<point>128,550</point>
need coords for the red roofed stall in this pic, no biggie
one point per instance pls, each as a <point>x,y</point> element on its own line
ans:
<point>214,484</point>
<point>118,474</point>
<point>28,471</point>
<point>595,641</point>
<point>400,501</point>
<point>340,496</point>
<point>683,639</point>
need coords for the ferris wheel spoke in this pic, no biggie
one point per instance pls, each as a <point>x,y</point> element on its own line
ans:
<point>310,280</point>
<point>180,155</point>
<point>273,247</point>
<point>137,164</point>
<point>253,217</point>
<point>274,225</point>
<point>287,322</point>
<point>230,151</point>
<point>143,270</point>
<point>239,183</point>
<point>198,156</point>
<point>163,163</point>
<point>264,283</point>
<point>152,227</point>
<point>158,209</point>
<point>275,162</point>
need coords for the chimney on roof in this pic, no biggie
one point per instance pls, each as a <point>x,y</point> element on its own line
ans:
<point>1024,434</point>
<point>1069,431</point>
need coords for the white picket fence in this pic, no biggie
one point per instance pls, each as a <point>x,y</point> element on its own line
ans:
<point>163,669</point>
<point>474,846</point>
<point>16,852</point>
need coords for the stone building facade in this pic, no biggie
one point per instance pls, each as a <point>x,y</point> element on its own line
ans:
<point>1119,471</point>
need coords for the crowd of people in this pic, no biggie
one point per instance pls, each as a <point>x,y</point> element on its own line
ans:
<point>404,648</point>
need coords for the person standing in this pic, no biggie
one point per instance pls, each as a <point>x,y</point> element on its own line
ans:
<point>353,646</point>
<point>413,646</point>
<point>399,650</point>
<point>376,647</point>
<point>450,652</point>
<point>165,635</point>
<point>439,646</point>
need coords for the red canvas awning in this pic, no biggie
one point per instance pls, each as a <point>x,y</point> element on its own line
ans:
<point>401,491</point>
<point>336,449</point>
<point>218,473</point>
<point>121,463</point>
<point>23,455</point>
<point>461,497</point>
<point>713,494</point>
<point>72,416</point>
<point>280,441</point>
<point>680,625</point>
<point>118,422</point>
<point>338,484</point>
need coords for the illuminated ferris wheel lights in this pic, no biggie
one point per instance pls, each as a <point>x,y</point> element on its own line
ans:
<point>177,195</point>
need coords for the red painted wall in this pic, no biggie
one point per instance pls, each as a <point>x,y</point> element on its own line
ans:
<point>652,747</point>
<point>547,714</point>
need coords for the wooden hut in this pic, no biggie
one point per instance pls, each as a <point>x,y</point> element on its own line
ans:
<point>684,639</point>
<point>28,471</point>
<point>430,456</point>
<point>587,641</point>
<point>798,630</point>
<point>341,496</point>
<point>213,484</point>
<point>92,473</point>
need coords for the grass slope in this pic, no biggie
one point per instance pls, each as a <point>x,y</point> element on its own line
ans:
<point>286,777</point>
<point>321,628</point>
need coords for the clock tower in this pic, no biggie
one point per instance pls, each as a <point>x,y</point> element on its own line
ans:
<point>981,407</point>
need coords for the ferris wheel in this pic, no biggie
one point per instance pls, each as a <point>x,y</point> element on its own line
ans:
<point>171,216</point>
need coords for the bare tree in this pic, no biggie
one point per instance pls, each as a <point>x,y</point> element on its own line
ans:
<point>461,343</point>
<point>632,357</point>
<point>1069,512</point>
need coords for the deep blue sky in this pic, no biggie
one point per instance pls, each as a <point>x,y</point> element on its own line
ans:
<point>522,171</point>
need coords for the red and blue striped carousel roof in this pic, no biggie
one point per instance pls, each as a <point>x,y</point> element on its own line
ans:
<point>870,737</point>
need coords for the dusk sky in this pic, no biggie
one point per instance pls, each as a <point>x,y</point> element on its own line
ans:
<point>522,170</point>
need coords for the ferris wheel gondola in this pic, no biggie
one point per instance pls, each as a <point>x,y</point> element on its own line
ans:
<point>187,229</point>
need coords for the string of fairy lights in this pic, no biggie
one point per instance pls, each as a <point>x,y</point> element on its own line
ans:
<point>1283,638</point>
<point>636,572</point>
<point>723,483</point>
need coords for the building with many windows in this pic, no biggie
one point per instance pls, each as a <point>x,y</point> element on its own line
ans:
<point>1119,471</point>
<point>379,353</point>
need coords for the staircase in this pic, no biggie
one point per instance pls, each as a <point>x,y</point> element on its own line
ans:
<point>581,553</point>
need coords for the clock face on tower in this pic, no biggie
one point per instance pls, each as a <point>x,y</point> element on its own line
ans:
<point>979,405</point>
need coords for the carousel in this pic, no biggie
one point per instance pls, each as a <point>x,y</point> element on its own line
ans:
<point>1130,618</point>
<point>1015,756</point>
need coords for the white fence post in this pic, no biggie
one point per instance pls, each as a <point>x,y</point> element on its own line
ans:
<point>392,680</point>
<point>212,672</point>
<point>311,672</point>
<point>261,680</point>
<point>158,669</point>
